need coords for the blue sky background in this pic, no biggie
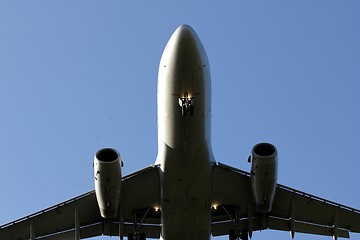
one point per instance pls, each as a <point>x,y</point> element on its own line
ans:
<point>77,76</point>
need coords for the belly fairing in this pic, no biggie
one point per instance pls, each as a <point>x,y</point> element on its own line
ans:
<point>186,194</point>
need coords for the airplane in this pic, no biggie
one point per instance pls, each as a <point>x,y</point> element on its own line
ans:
<point>186,194</point>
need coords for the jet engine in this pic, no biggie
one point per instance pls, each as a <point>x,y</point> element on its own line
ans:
<point>107,174</point>
<point>264,175</point>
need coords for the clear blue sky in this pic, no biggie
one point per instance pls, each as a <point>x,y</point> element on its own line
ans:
<point>77,76</point>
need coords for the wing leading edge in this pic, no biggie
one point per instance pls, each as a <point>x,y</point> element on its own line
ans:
<point>292,210</point>
<point>79,217</point>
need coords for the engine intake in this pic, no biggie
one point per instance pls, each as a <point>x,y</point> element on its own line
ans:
<point>107,175</point>
<point>264,175</point>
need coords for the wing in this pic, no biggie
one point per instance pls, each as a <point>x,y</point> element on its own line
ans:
<point>292,210</point>
<point>80,216</point>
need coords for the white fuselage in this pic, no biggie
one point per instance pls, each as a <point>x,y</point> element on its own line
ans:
<point>184,152</point>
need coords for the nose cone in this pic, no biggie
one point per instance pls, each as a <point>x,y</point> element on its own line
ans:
<point>184,46</point>
<point>185,35</point>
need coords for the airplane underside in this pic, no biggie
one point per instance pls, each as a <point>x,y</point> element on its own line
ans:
<point>186,194</point>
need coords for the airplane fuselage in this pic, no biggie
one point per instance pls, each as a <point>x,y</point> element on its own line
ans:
<point>184,153</point>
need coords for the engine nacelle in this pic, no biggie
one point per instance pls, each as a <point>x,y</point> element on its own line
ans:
<point>107,174</point>
<point>264,176</point>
